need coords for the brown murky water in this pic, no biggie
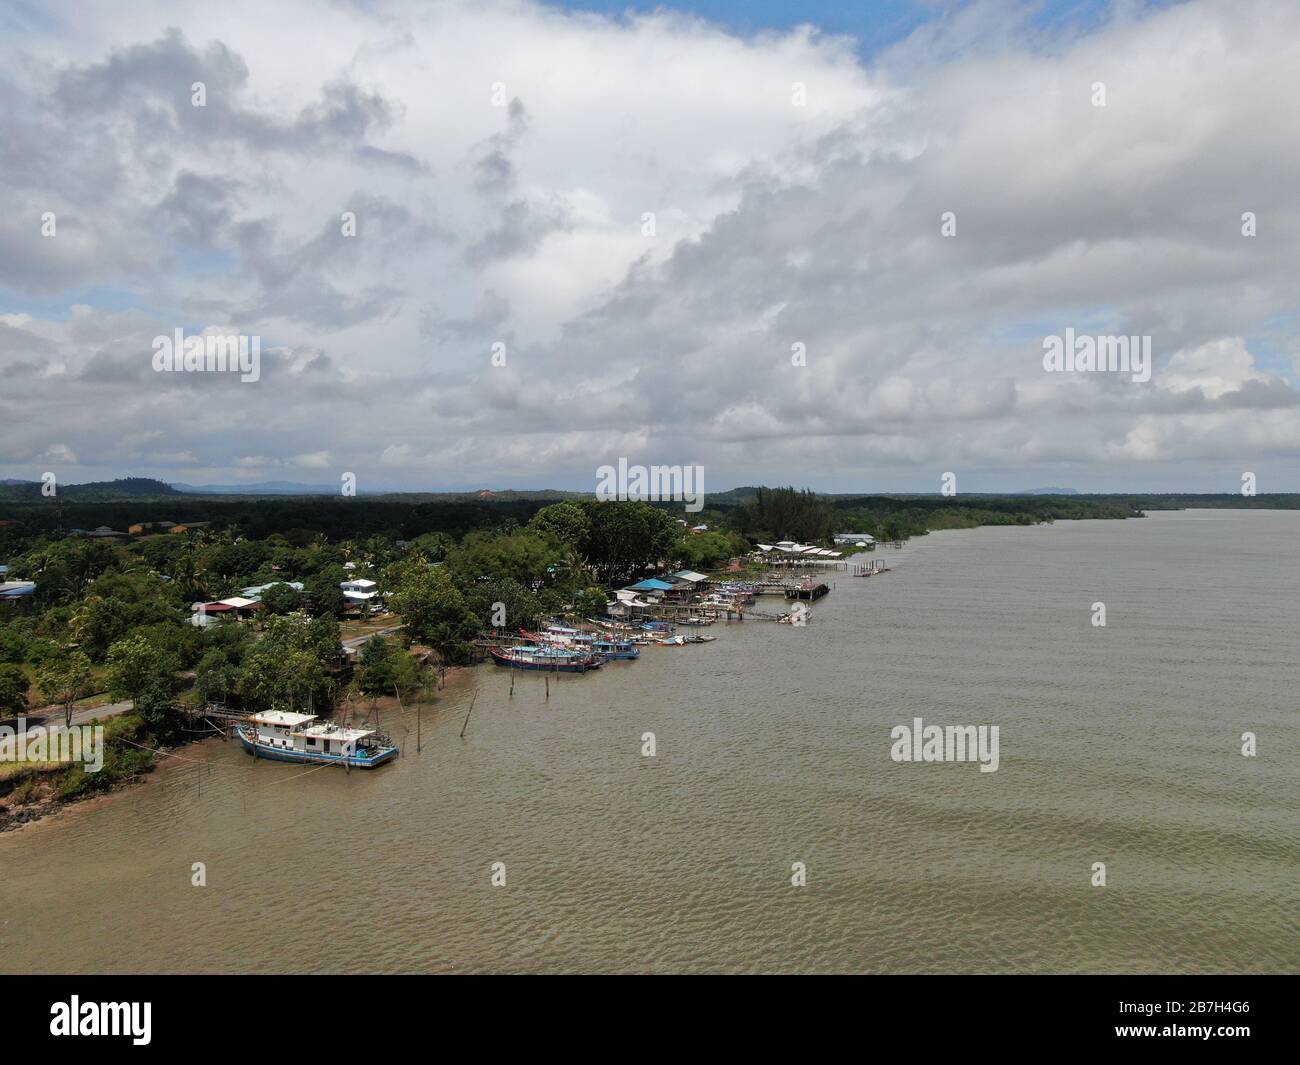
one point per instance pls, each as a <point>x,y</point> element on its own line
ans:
<point>1119,745</point>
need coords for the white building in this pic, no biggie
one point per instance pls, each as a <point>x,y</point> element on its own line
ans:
<point>361,592</point>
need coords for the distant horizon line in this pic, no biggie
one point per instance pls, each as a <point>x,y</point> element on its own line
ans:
<point>272,488</point>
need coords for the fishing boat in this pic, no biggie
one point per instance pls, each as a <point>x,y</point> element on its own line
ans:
<point>615,649</point>
<point>697,637</point>
<point>563,637</point>
<point>284,736</point>
<point>552,659</point>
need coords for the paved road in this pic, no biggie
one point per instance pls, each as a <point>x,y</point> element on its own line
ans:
<point>53,715</point>
<point>357,641</point>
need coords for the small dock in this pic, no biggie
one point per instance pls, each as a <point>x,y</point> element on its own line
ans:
<point>711,611</point>
<point>807,592</point>
<point>869,569</point>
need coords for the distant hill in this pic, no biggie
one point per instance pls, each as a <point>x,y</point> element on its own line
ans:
<point>259,488</point>
<point>91,491</point>
<point>1048,492</point>
<point>733,495</point>
<point>293,488</point>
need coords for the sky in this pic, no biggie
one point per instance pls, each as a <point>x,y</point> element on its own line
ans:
<point>503,243</point>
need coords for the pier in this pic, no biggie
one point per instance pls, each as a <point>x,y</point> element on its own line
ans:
<point>808,592</point>
<point>869,569</point>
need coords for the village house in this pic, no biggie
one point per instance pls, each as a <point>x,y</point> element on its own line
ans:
<point>237,607</point>
<point>254,593</point>
<point>150,526</point>
<point>362,593</point>
<point>12,591</point>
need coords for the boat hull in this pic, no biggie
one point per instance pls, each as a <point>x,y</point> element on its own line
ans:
<point>543,667</point>
<point>281,754</point>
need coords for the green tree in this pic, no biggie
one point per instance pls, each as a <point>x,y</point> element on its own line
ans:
<point>281,599</point>
<point>706,550</point>
<point>590,602</point>
<point>322,595</point>
<point>788,514</point>
<point>13,690</point>
<point>155,705</point>
<point>285,679</point>
<point>566,525</point>
<point>215,677</point>
<point>434,611</point>
<point>626,537</point>
<point>63,681</point>
<point>98,622</point>
<point>519,605</point>
<point>286,666</point>
<point>377,672</point>
<point>136,664</point>
<point>522,557</point>
<point>434,546</point>
<point>186,578</point>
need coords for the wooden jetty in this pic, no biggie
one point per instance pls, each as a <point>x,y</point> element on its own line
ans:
<point>869,569</point>
<point>807,592</point>
<point>806,563</point>
<point>712,611</point>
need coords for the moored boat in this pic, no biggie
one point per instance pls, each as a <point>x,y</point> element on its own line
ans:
<point>616,649</point>
<point>284,736</point>
<point>553,659</point>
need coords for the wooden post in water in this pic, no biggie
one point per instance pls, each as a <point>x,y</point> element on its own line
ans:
<point>467,713</point>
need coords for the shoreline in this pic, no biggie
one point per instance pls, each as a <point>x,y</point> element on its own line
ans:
<point>13,819</point>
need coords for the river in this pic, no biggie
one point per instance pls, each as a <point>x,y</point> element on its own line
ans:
<point>1119,745</point>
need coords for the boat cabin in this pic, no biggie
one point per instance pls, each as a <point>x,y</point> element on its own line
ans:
<point>289,731</point>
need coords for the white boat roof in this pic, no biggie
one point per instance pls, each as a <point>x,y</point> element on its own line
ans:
<point>334,732</point>
<point>282,717</point>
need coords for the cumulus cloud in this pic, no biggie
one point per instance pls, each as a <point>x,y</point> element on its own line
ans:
<point>650,221</point>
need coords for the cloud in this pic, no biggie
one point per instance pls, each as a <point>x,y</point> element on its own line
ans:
<point>773,225</point>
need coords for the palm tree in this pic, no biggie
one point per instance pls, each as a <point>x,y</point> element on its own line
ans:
<point>185,575</point>
<point>575,567</point>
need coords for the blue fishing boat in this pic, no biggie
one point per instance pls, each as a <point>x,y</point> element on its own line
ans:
<point>284,736</point>
<point>552,659</point>
<point>616,649</point>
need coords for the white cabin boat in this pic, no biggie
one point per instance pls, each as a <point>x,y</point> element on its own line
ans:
<point>285,736</point>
